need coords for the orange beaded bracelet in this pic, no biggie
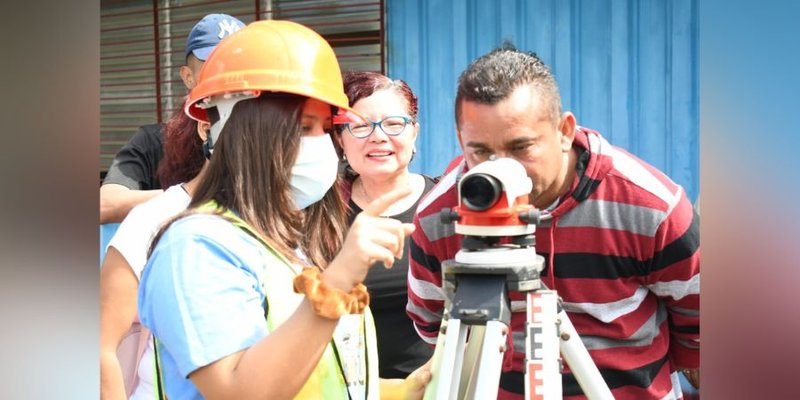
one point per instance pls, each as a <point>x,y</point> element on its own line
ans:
<point>330,302</point>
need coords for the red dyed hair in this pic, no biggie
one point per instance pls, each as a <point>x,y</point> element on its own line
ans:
<point>360,84</point>
<point>183,154</point>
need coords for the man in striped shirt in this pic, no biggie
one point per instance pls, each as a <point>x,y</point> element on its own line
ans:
<point>622,249</point>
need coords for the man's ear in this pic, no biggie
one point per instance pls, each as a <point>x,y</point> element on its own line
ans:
<point>187,76</point>
<point>566,126</point>
<point>202,130</point>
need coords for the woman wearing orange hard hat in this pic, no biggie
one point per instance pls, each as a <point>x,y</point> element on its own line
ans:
<point>255,291</point>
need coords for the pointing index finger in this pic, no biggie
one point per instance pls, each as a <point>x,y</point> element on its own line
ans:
<point>379,205</point>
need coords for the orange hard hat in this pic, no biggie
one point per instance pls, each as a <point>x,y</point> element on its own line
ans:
<point>269,56</point>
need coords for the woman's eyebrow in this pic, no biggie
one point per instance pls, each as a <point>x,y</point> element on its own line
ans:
<point>315,117</point>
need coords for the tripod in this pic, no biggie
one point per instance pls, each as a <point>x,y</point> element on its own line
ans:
<point>477,283</point>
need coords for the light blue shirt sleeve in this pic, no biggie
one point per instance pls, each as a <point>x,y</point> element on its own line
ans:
<point>201,295</point>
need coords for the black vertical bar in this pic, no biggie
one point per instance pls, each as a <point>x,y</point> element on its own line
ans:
<point>383,38</point>
<point>157,49</point>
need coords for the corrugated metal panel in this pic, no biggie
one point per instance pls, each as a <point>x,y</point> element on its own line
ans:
<point>625,68</point>
<point>353,27</point>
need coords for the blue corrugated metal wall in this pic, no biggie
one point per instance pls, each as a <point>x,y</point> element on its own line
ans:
<point>625,68</point>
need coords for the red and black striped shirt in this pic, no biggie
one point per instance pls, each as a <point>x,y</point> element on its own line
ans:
<point>624,246</point>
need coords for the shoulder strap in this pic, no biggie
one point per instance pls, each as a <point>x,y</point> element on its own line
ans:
<point>211,207</point>
<point>230,216</point>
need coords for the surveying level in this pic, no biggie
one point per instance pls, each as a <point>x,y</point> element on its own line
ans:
<point>498,255</point>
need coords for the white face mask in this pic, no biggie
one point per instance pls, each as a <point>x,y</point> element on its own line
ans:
<point>314,171</point>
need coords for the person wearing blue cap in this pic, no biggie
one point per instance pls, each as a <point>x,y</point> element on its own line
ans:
<point>126,357</point>
<point>202,39</point>
<point>133,175</point>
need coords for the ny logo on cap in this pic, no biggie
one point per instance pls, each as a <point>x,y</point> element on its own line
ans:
<point>226,27</point>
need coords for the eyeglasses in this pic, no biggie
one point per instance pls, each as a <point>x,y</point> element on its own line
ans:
<point>391,125</point>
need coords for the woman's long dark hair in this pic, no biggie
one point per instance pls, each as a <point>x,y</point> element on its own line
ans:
<point>250,173</point>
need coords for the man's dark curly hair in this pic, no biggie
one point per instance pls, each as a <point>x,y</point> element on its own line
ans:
<point>492,77</point>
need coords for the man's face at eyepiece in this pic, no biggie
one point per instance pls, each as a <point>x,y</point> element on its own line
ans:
<point>520,127</point>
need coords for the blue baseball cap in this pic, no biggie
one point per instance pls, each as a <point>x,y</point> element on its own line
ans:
<point>207,33</point>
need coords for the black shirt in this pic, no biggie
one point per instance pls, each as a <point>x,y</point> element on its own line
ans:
<point>400,349</point>
<point>136,164</point>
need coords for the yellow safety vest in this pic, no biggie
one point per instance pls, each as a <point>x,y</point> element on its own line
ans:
<point>327,381</point>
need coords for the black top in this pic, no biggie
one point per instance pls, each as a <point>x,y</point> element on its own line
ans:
<point>400,349</point>
<point>135,165</point>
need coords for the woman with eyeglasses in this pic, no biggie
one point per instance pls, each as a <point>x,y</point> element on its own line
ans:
<point>377,154</point>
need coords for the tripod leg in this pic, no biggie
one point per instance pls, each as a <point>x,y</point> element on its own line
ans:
<point>447,364</point>
<point>543,364</point>
<point>472,358</point>
<point>579,361</point>
<point>484,380</point>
